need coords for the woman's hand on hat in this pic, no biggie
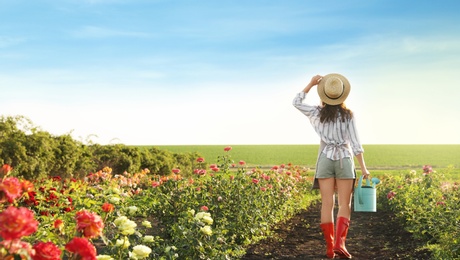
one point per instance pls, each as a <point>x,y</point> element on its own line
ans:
<point>313,82</point>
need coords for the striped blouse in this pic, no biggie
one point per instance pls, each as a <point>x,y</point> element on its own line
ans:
<point>341,138</point>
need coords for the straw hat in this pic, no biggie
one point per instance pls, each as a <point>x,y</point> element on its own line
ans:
<point>333,89</point>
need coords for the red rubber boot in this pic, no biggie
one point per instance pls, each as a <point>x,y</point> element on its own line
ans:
<point>328,231</point>
<point>340,237</point>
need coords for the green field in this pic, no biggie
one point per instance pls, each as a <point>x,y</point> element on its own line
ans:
<point>378,157</point>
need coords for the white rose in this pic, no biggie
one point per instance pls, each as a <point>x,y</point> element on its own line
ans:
<point>141,251</point>
<point>208,220</point>
<point>114,200</point>
<point>148,239</point>
<point>128,227</point>
<point>206,230</point>
<point>123,243</point>
<point>146,224</point>
<point>199,215</point>
<point>120,220</point>
<point>104,257</point>
<point>132,210</point>
<point>125,226</point>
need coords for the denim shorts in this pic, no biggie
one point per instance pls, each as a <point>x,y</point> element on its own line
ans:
<point>327,168</point>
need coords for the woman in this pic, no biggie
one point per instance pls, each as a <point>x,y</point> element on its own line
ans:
<point>335,169</point>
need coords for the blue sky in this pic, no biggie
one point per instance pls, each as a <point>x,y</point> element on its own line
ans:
<point>225,72</point>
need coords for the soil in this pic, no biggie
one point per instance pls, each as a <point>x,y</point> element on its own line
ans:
<point>370,236</point>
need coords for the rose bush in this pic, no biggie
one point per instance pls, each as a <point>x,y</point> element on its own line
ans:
<point>213,214</point>
<point>429,207</point>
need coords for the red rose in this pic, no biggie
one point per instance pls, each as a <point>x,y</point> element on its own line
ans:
<point>56,178</point>
<point>228,148</point>
<point>391,195</point>
<point>6,168</point>
<point>46,251</point>
<point>58,224</point>
<point>12,188</point>
<point>200,160</point>
<point>27,186</point>
<point>82,247</point>
<point>16,223</point>
<point>89,223</point>
<point>107,207</point>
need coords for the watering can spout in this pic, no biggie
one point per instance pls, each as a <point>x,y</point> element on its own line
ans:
<point>375,181</point>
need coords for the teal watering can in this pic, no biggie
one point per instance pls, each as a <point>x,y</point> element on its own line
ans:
<point>365,197</point>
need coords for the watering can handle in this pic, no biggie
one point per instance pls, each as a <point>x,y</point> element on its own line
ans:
<point>359,188</point>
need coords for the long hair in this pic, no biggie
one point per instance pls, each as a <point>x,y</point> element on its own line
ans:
<point>330,113</point>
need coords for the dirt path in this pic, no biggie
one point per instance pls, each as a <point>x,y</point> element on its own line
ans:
<point>371,236</point>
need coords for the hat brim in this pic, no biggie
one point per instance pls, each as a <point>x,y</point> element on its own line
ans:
<point>341,98</point>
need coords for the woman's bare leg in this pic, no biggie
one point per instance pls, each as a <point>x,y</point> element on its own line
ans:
<point>327,190</point>
<point>344,192</point>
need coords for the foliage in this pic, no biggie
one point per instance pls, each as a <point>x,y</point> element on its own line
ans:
<point>212,214</point>
<point>36,154</point>
<point>429,207</point>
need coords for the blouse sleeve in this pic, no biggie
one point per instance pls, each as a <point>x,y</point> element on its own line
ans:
<point>356,146</point>
<point>307,110</point>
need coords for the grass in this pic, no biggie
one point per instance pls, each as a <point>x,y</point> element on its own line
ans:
<point>380,159</point>
<point>376,156</point>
